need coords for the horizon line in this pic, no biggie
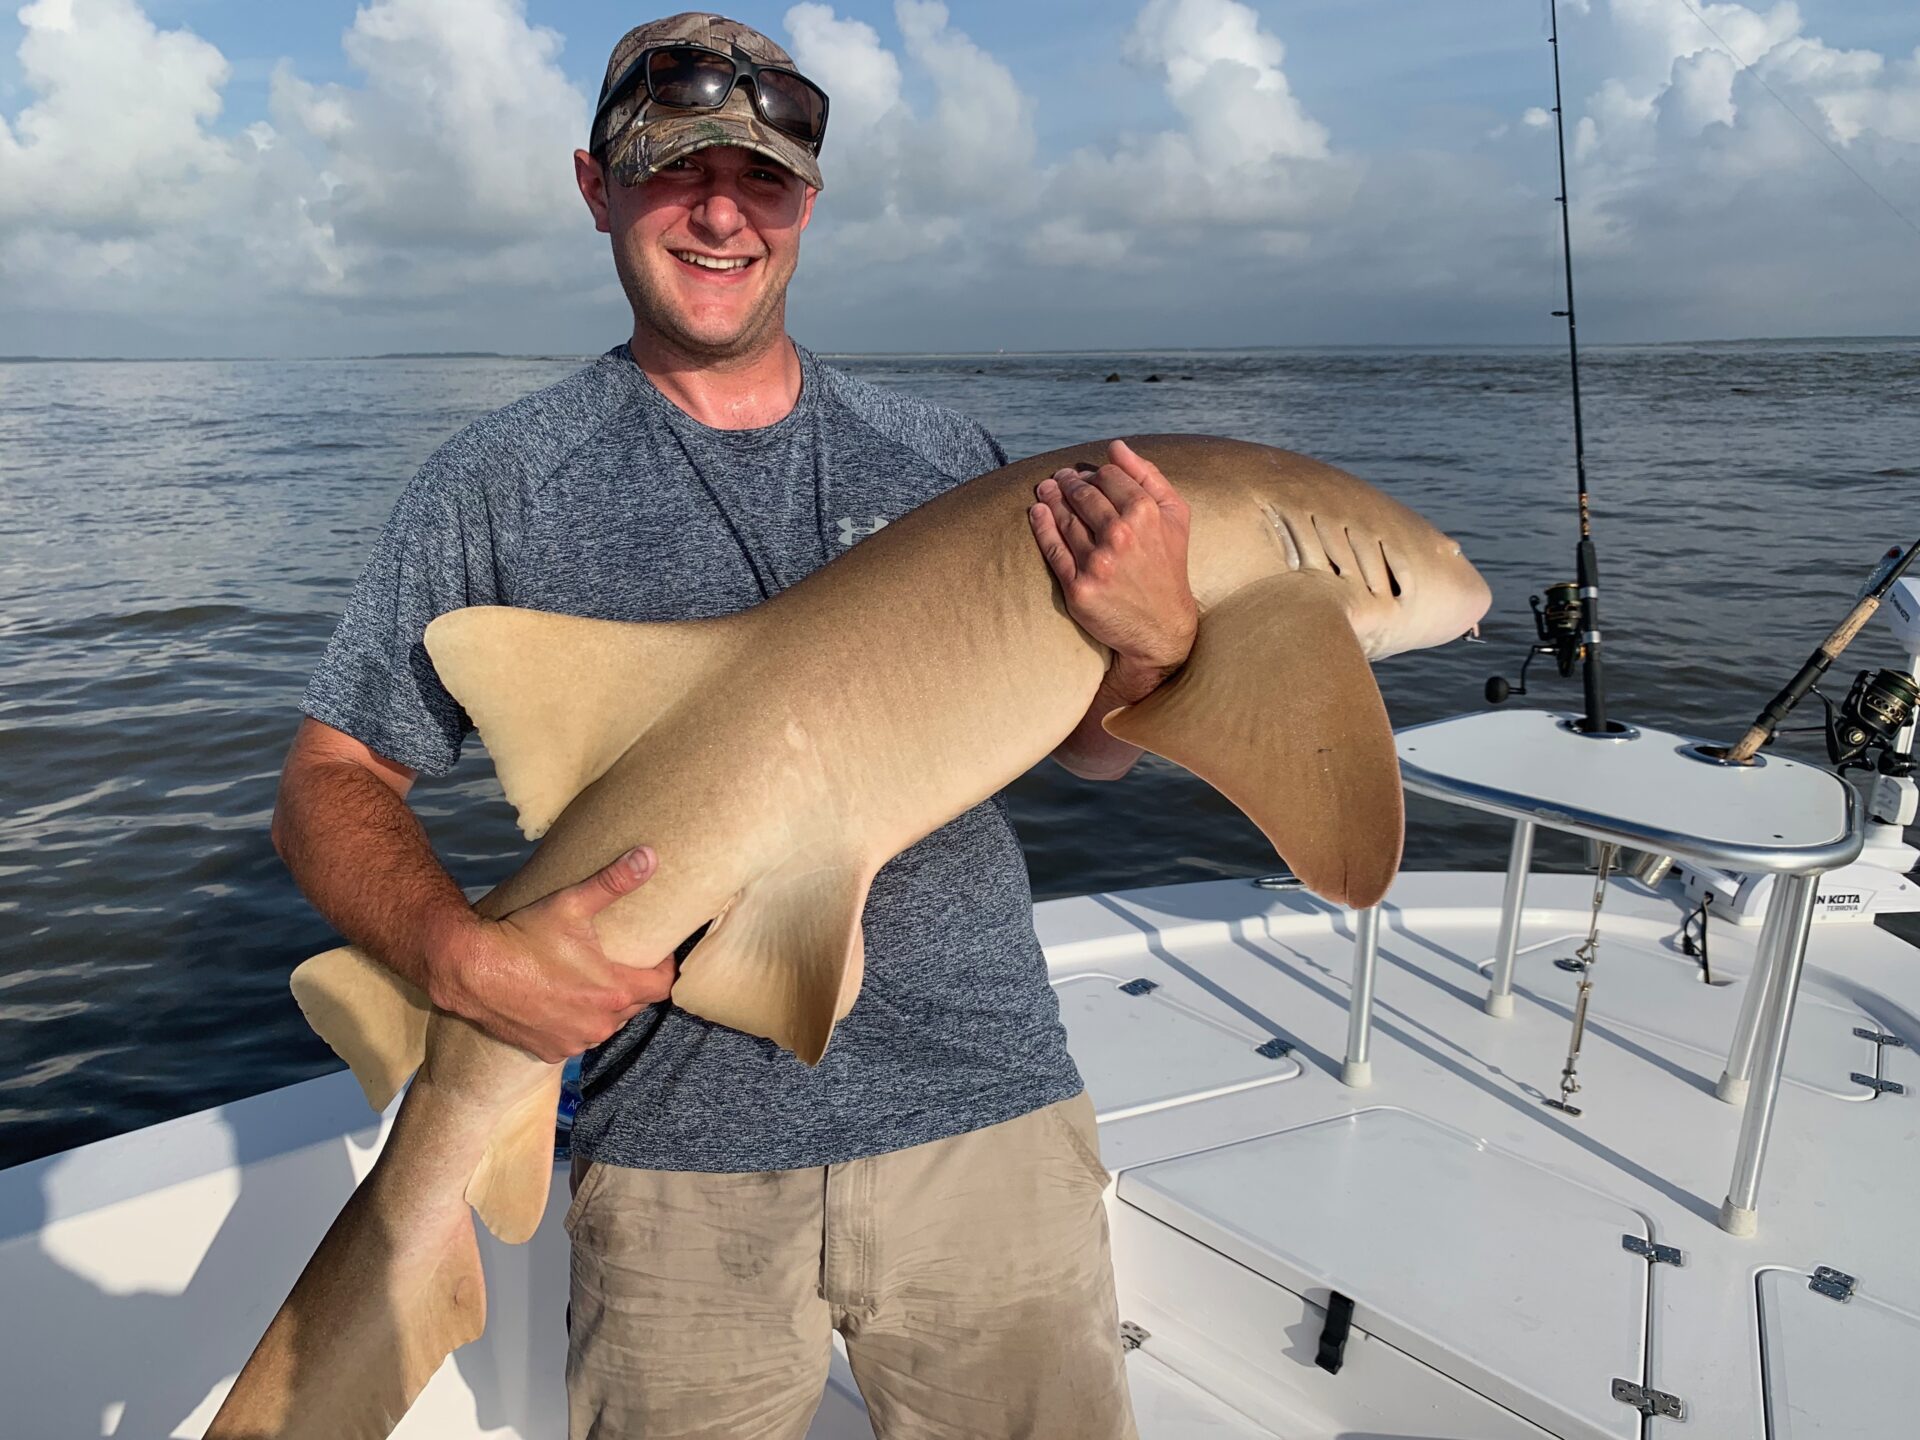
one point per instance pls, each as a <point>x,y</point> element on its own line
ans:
<point>968,354</point>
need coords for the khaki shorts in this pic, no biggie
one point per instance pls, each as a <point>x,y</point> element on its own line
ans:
<point>970,1278</point>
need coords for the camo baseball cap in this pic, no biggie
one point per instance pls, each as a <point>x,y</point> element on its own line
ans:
<point>637,137</point>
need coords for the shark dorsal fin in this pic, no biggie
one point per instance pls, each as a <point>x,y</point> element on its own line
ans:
<point>558,698</point>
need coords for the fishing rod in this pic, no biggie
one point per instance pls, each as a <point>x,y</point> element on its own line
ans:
<point>1568,625</point>
<point>1586,560</point>
<point>1881,702</point>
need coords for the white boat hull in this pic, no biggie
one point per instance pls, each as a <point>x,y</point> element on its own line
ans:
<point>1478,1234</point>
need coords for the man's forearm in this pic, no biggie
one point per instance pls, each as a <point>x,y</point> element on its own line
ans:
<point>1090,752</point>
<point>360,856</point>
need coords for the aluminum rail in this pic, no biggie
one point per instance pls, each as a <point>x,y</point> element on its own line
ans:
<point>1782,859</point>
<point>1357,1069</point>
<point>1757,1052</point>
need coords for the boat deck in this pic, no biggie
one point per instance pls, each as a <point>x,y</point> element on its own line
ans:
<point>1479,1228</point>
<point>1477,1233</point>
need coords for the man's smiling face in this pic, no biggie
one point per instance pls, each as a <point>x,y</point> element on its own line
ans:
<point>705,248</point>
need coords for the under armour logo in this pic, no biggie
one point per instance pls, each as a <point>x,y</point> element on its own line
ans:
<point>852,529</point>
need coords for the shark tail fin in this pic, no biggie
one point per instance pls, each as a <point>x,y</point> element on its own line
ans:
<point>509,1187</point>
<point>384,1300</point>
<point>784,959</point>
<point>374,1020</point>
<point>1277,709</point>
<point>559,698</point>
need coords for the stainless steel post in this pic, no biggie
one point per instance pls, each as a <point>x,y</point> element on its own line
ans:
<point>1357,1070</point>
<point>1519,862</point>
<point>1767,955</point>
<point>1793,899</point>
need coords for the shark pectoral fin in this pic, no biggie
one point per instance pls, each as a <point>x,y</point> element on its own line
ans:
<point>558,698</point>
<point>785,958</point>
<point>855,972</point>
<point>374,1020</point>
<point>509,1187</point>
<point>1277,709</point>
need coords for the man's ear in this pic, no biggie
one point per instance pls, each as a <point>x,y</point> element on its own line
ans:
<point>591,176</point>
<point>806,207</point>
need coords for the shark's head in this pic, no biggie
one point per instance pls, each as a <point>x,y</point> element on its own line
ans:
<point>1442,599</point>
<point>1406,585</point>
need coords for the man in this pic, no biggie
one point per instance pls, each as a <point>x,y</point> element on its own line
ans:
<point>933,1188</point>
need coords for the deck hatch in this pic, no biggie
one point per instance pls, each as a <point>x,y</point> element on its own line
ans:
<point>1139,1049</point>
<point>1825,1367</point>
<point>1503,1276</point>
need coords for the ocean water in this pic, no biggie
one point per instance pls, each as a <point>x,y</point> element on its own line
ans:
<point>176,541</point>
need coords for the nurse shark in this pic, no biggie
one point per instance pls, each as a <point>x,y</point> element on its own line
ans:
<point>774,760</point>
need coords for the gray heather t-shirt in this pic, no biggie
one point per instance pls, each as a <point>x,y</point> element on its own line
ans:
<point>600,497</point>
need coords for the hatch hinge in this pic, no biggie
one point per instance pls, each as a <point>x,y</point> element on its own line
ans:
<point>1274,1049</point>
<point>1333,1334</point>
<point>1877,1085</point>
<point>1653,1254</point>
<point>1880,1037</point>
<point>1141,986</point>
<point>1133,1336</point>
<point>1649,1401</point>
<point>1832,1283</point>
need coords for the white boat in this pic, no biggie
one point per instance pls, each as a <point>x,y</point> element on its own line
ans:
<point>1340,1208</point>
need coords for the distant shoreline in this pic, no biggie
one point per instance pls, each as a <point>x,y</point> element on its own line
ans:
<point>1409,346</point>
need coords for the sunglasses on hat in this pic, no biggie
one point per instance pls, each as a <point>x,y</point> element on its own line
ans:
<point>693,77</point>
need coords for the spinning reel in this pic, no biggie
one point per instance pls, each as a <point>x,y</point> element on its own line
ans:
<point>1557,624</point>
<point>1863,731</point>
<point>1878,709</point>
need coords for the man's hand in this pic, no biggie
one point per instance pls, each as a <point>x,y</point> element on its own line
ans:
<point>1116,540</point>
<point>539,979</point>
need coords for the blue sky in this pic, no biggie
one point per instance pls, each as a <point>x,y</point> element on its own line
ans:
<point>296,179</point>
<point>1366,63</point>
<point>1368,66</point>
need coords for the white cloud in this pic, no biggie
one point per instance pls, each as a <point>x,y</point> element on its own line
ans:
<point>859,74</point>
<point>1249,168</point>
<point>907,180</point>
<point>952,175</point>
<point>978,148</point>
<point>1223,73</point>
<point>458,135</point>
<point>1703,206</point>
<point>443,168</point>
<point>1680,123</point>
<point>1668,68</point>
<point>426,200</point>
<point>119,167</point>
